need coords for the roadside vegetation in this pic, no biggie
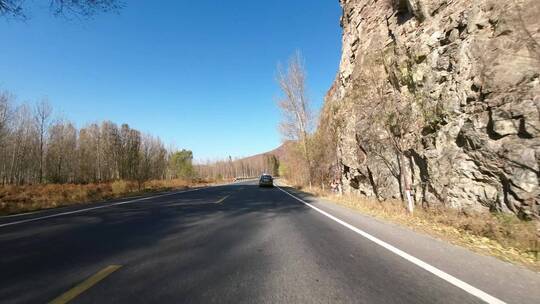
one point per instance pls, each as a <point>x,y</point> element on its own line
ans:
<point>502,235</point>
<point>309,156</point>
<point>26,198</point>
<point>46,161</point>
<point>246,167</point>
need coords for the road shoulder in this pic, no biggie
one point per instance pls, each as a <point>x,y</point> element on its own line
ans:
<point>508,282</point>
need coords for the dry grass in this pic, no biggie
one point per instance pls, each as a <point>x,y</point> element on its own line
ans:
<point>503,236</point>
<point>18,199</point>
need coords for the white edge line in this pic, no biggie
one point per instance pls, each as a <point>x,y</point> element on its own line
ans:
<point>432,269</point>
<point>20,214</point>
<point>97,207</point>
<point>59,208</point>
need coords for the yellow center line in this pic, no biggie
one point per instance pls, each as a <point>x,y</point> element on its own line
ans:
<point>221,200</point>
<point>85,285</point>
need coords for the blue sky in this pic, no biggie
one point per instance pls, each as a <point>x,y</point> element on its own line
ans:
<point>199,74</point>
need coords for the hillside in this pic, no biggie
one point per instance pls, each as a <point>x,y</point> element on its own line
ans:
<point>278,152</point>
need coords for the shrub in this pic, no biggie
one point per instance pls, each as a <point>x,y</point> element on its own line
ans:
<point>119,187</point>
<point>16,199</point>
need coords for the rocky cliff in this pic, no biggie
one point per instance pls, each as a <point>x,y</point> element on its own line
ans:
<point>441,97</point>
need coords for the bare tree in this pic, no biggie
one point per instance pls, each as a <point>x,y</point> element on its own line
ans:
<point>229,168</point>
<point>4,112</point>
<point>42,118</point>
<point>297,117</point>
<point>82,8</point>
<point>11,7</point>
<point>61,157</point>
<point>5,109</point>
<point>33,149</point>
<point>20,147</point>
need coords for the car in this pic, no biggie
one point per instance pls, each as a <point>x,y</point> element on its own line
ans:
<point>266,180</point>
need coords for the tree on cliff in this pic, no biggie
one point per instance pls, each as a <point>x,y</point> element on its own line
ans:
<point>297,118</point>
<point>391,114</point>
<point>84,8</point>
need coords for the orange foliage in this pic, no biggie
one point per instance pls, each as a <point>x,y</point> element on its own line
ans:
<point>17,199</point>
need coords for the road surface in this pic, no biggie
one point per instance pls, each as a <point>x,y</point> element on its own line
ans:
<point>239,243</point>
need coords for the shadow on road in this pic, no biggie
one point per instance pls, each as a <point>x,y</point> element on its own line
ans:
<point>59,250</point>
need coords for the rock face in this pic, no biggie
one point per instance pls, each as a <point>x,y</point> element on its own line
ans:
<point>441,97</point>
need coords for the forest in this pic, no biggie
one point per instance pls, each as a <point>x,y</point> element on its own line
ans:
<point>37,148</point>
<point>47,161</point>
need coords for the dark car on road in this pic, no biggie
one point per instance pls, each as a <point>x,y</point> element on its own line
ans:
<point>266,181</point>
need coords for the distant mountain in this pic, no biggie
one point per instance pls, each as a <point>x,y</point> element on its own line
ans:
<point>278,152</point>
<point>246,167</point>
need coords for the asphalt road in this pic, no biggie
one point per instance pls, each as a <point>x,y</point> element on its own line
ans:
<point>236,244</point>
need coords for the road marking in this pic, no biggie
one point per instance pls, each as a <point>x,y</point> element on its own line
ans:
<point>93,208</point>
<point>221,200</point>
<point>20,214</point>
<point>85,285</point>
<point>180,204</point>
<point>432,269</point>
